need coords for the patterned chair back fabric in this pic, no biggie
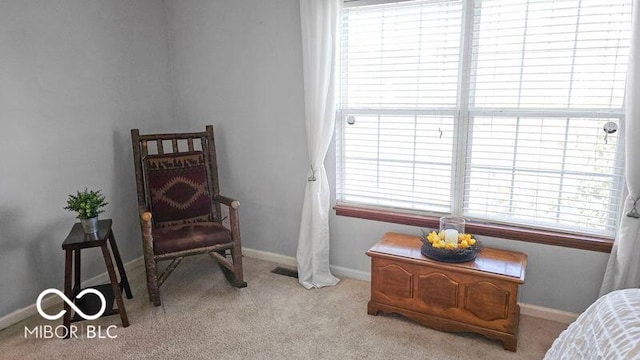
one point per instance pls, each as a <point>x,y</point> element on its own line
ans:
<point>178,190</point>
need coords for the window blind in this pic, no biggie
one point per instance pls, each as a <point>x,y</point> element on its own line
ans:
<point>398,161</point>
<point>402,55</point>
<point>546,75</point>
<point>395,57</point>
<point>550,54</point>
<point>489,109</point>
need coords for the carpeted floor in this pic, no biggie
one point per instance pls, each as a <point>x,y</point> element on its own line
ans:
<point>202,317</point>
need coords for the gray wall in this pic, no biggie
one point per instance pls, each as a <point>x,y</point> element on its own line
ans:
<point>75,76</point>
<point>237,64</point>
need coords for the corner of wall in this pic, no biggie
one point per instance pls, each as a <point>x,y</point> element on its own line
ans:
<point>171,64</point>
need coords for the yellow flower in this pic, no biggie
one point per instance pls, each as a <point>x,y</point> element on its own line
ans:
<point>441,235</point>
<point>432,237</point>
<point>471,241</point>
<point>464,244</point>
<point>450,246</point>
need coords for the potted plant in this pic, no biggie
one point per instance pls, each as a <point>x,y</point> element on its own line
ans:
<point>88,204</point>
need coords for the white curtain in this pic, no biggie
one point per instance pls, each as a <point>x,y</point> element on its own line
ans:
<point>319,23</point>
<point>623,269</point>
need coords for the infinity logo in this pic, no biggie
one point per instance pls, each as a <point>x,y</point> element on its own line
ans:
<point>70,303</point>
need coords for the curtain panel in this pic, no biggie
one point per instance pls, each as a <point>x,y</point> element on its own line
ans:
<point>319,24</point>
<point>623,268</point>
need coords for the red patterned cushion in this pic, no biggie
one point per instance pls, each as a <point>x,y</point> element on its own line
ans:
<point>178,187</point>
<point>191,236</point>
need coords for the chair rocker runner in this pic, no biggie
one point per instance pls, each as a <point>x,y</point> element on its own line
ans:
<point>180,205</point>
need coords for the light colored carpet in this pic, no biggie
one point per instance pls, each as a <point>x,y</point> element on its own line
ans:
<point>202,317</point>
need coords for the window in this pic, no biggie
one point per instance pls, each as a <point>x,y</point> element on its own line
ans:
<point>489,109</point>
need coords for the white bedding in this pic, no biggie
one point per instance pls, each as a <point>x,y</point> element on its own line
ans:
<point>608,329</point>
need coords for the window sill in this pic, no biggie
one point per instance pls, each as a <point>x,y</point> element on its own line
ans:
<point>575,241</point>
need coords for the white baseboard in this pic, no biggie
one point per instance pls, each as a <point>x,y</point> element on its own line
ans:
<point>563,317</point>
<point>269,256</point>
<point>21,314</point>
<point>541,312</point>
<point>351,273</point>
<point>291,261</point>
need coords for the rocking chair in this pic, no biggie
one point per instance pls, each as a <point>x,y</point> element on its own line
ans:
<point>180,205</point>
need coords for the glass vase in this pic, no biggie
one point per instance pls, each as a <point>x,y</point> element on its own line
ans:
<point>452,227</point>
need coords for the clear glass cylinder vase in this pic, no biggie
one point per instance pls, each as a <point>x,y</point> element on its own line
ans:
<point>452,226</point>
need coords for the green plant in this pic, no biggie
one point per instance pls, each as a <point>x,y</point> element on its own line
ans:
<point>87,203</point>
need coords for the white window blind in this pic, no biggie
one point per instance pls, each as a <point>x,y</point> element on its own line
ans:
<point>489,109</point>
<point>545,77</point>
<point>388,160</point>
<point>400,57</point>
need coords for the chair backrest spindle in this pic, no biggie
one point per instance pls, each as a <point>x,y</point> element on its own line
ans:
<point>145,149</point>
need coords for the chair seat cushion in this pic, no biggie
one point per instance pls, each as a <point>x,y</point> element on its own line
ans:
<point>190,236</point>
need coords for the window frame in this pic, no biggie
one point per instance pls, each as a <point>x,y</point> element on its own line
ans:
<point>463,113</point>
<point>509,232</point>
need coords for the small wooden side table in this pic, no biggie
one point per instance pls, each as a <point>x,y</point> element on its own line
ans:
<point>479,296</point>
<point>73,245</point>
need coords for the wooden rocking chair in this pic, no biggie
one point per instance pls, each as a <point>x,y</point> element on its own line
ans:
<point>180,205</point>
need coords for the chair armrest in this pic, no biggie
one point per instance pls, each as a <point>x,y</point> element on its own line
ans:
<point>147,238</point>
<point>233,215</point>
<point>146,217</point>
<point>232,203</point>
<point>145,214</point>
<point>146,226</point>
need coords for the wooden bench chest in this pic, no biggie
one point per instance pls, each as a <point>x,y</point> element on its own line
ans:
<point>479,296</point>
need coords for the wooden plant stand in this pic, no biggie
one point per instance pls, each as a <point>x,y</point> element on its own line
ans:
<point>479,296</point>
<point>73,245</point>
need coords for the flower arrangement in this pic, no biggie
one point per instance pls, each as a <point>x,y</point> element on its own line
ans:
<point>88,203</point>
<point>436,245</point>
<point>437,240</point>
